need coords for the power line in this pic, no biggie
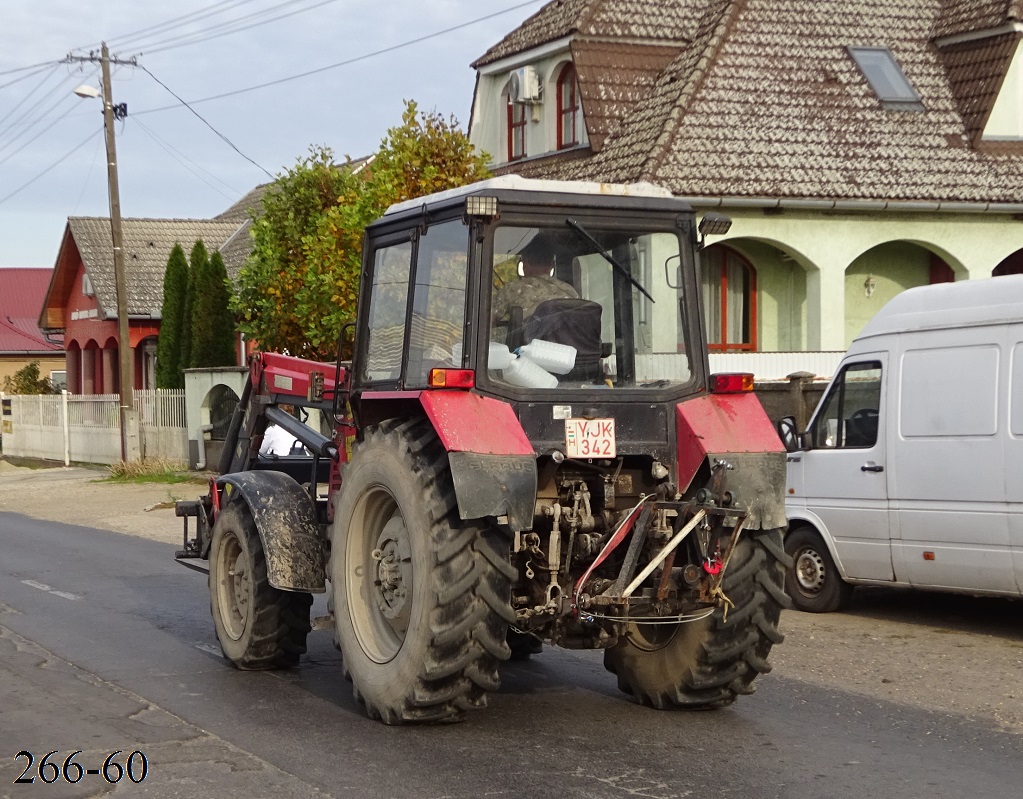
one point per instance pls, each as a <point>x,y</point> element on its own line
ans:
<point>198,37</point>
<point>33,90</point>
<point>181,158</point>
<point>31,74</point>
<point>346,62</point>
<point>207,124</point>
<point>60,160</point>
<point>126,40</point>
<point>30,66</point>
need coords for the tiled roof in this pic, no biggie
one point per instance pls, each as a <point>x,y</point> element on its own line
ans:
<point>765,101</point>
<point>975,70</point>
<point>147,246</point>
<point>965,16</point>
<point>240,211</point>
<point>22,292</point>
<point>613,77</point>
<point>647,20</point>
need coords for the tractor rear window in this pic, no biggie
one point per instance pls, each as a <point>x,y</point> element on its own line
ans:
<point>579,307</point>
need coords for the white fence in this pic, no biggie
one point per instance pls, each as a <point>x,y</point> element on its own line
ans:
<point>86,428</point>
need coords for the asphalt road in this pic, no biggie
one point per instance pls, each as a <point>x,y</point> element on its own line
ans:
<point>106,644</point>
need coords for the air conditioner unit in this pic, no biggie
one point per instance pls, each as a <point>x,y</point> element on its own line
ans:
<point>524,85</point>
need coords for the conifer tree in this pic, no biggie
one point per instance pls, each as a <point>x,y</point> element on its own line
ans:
<point>197,261</point>
<point>172,321</point>
<point>212,320</point>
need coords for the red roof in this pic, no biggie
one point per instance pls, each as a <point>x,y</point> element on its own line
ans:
<point>22,292</point>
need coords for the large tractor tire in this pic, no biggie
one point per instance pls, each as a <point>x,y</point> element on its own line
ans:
<point>813,580</point>
<point>421,599</point>
<point>258,626</point>
<point>708,663</point>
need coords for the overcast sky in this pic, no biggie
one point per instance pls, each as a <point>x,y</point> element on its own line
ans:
<point>170,163</point>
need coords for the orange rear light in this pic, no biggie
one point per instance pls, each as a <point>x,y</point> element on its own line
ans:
<point>452,378</point>
<point>732,383</point>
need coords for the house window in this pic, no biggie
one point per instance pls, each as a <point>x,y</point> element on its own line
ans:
<point>729,300</point>
<point>886,78</point>
<point>516,130</point>
<point>87,289</point>
<point>570,114</point>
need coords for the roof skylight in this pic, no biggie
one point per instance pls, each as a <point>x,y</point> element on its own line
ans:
<point>886,78</point>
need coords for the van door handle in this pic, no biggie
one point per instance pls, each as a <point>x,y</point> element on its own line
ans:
<point>870,466</point>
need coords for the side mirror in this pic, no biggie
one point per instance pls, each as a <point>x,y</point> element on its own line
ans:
<point>790,438</point>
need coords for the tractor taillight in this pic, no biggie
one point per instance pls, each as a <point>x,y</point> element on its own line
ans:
<point>452,378</point>
<point>733,383</point>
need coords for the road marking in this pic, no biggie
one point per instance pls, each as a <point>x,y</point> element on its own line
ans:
<point>49,590</point>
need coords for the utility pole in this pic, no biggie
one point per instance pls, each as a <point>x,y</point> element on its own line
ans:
<point>125,371</point>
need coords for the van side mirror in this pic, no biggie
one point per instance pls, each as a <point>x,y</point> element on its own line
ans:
<point>789,436</point>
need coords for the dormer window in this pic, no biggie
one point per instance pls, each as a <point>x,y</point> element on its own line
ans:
<point>886,78</point>
<point>570,116</point>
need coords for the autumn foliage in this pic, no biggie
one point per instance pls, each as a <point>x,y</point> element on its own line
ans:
<point>300,285</point>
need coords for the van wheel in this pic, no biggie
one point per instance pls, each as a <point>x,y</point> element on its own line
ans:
<point>812,580</point>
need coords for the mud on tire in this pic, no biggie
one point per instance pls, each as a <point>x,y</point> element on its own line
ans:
<point>258,626</point>
<point>421,599</point>
<point>708,663</point>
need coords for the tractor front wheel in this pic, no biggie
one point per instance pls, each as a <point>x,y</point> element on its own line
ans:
<point>709,662</point>
<point>421,598</point>
<point>258,626</point>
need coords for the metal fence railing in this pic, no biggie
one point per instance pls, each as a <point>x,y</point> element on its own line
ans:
<point>86,428</point>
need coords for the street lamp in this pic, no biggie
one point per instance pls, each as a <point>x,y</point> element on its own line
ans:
<point>129,447</point>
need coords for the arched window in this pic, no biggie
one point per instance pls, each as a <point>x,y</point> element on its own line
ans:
<point>729,299</point>
<point>516,124</point>
<point>570,115</point>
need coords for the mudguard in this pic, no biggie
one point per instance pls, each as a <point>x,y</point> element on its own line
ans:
<point>733,431</point>
<point>493,465</point>
<point>286,521</point>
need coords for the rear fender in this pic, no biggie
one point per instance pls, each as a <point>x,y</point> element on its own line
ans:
<point>493,465</point>
<point>285,518</point>
<point>735,434</point>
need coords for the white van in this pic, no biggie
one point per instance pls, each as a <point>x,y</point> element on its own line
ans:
<point>911,470</point>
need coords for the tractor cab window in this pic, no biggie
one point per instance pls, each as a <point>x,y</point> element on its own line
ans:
<point>385,322</point>
<point>578,306</point>
<point>438,303</point>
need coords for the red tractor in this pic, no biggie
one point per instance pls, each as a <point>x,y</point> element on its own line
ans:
<point>526,446</point>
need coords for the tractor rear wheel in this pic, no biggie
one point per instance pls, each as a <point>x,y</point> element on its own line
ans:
<point>421,599</point>
<point>258,626</point>
<point>708,663</point>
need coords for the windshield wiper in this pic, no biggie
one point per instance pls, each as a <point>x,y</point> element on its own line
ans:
<point>599,249</point>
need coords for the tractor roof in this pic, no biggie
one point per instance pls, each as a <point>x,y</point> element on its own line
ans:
<point>508,185</point>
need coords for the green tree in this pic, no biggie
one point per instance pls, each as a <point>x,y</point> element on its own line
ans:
<point>27,381</point>
<point>300,284</point>
<point>212,320</point>
<point>172,321</point>
<point>198,260</point>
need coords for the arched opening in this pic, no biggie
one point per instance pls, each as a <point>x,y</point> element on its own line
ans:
<point>145,363</point>
<point>1011,265</point>
<point>109,382</point>
<point>91,367</point>
<point>73,364</point>
<point>729,286</point>
<point>217,409</point>
<point>881,272</point>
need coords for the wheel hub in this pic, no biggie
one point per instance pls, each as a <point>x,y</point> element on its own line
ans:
<point>391,592</point>
<point>810,571</point>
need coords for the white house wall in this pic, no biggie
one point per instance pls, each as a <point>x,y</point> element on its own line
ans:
<point>825,245</point>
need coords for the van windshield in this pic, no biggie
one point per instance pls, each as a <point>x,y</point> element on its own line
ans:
<point>586,307</point>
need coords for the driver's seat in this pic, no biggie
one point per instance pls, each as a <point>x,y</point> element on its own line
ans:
<point>573,322</point>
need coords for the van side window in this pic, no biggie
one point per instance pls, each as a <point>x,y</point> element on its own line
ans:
<point>848,415</point>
